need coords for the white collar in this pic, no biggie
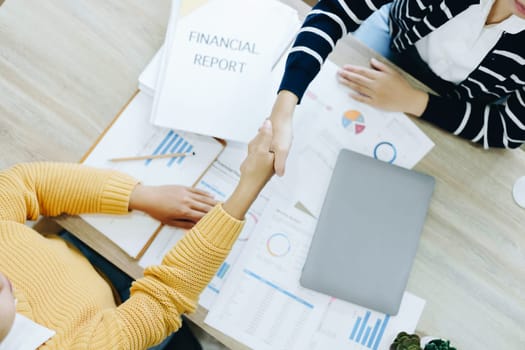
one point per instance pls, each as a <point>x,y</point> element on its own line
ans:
<point>514,24</point>
<point>25,334</point>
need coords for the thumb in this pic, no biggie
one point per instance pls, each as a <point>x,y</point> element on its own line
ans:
<point>264,137</point>
<point>280,162</point>
<point>380,66</point>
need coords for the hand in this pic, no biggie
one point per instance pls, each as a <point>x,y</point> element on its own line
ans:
<point>172,204</point>
<point>382,87</point>
<point>281,143</point>
<point>281,119</point>
<point>258,167</point>
<point>256,170</point>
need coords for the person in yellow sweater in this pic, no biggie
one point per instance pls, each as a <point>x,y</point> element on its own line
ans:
<point>51,283</point>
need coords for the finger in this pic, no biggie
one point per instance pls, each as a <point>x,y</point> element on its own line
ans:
<point>263,140</point>
<point>259,138</point>
<point>205,200</point>
<point>362,71</point>
<point>201,207</point>
<point>200,192</point>
<point>359,88</point>
<point>349,77</point>
<point>184,224</point>
<point>193,215</point>
<point>280,161</point>
<point>380,66</point>
<point>361,98</point>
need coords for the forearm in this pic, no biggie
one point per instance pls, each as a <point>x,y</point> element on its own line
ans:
<point>56,188</point>
<point>324,26</point>
<point>172,289</point>
<point>243,196</point>
<point>492,125</point>
<point>284,107</point>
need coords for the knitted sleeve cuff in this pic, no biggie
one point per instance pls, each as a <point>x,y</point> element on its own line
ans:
<point>220,228</point>
<point>116,193</point>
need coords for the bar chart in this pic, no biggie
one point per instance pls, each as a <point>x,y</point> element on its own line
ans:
<point>222,270</point>
<point>367,331</point>
<point>171,143</point>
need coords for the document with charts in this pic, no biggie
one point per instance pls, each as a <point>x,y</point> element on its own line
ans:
<point>263,306</point>
<point>131,135</point>
<point>215,74</point>
<point>328,120</point>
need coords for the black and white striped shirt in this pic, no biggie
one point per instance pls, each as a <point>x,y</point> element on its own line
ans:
<point>469,109</point>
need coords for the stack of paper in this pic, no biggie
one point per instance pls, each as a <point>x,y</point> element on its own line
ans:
<point>216,67</point>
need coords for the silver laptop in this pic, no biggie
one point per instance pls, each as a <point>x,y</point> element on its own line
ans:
<point>368,232</point>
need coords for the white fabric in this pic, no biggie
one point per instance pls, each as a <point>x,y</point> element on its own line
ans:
<point>25,335</point>
<point>456,48</point>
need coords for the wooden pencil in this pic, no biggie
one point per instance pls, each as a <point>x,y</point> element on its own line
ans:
<point>157,156</point>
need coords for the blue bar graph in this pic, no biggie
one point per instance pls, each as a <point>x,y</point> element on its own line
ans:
<point>279,289</point>
<point>223,269</point>
<point>171,143</point>
<point>367,333</point>
<point>363,333</point>
<point>363,325</point>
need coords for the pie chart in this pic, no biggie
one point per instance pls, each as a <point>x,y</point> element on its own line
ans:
<point>278,245</point>
<point>353,121</point>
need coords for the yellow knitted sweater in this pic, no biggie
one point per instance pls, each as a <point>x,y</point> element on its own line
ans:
<point>59,289</point>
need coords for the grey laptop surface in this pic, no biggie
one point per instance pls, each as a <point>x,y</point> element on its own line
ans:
<point>368,232</point>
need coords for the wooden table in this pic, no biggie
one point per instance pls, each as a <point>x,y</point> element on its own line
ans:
<point>67,67</point>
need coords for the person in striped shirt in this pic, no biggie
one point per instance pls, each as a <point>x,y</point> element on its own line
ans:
<point>470,52</point>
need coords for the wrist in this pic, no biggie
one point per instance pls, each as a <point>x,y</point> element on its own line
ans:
<point>284,106</point>
<point>240,200</point>
<point>138,198</point>
<point>419,103</point>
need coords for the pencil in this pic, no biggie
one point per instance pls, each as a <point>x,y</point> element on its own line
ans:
<point>156,156</point>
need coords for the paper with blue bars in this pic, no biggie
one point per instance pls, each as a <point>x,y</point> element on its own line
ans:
<point>263,306</point>
<point>133,135</point>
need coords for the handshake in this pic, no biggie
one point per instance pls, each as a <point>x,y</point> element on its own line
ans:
<point>183,206</point>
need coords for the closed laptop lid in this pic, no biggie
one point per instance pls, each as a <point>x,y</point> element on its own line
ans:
<point>368,232</point>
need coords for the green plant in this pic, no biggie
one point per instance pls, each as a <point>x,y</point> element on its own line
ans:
<point>439,344</point>
<point>405,341</point>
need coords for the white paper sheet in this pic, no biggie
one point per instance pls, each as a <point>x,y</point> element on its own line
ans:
<point>349,326</point>
<point>263,306</point>
<point>25,334</point>
<point>216,78</point>
<point>328,120</point>
<point>133,135</point>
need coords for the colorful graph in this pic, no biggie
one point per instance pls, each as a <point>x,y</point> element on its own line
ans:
<point>172,143</point>
<point>368,335</point>
<point>278,245</point>
<point>354,121</point>
<point>385,151</point>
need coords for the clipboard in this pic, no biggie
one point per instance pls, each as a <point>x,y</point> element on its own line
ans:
<point>130,133</point>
